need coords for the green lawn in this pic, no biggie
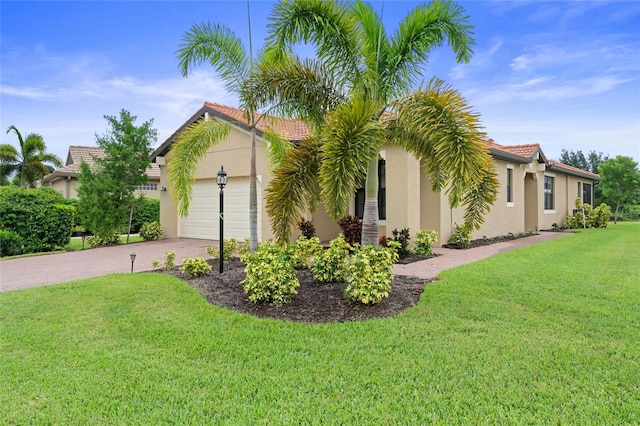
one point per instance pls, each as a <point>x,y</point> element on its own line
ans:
<point>76,242</point>
<point>545,334</point>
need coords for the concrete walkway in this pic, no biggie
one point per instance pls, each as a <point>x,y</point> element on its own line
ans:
<point>56,268</point>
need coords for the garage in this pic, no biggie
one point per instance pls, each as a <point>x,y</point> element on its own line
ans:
<point>203,219</point>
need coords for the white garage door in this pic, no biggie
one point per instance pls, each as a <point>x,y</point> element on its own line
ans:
<point>203,219</point>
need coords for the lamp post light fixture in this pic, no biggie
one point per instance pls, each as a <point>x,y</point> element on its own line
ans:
<point>222,181</point>
<point>133,259</point>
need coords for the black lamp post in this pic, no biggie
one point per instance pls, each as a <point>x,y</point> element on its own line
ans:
<point>133,259</point>
<point>222,181</point>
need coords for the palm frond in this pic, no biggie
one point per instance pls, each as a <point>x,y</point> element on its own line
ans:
<point>219,46</point>
<point>351,139</point>
<point>294,88</point>
<point>440,129</point>
<point>325,24</point>
<point>276,146</point>
<point>479,198</point>
<point>425,28</point>
<point>187,150</point>
<point>294,187</point>
<point>374,48</point>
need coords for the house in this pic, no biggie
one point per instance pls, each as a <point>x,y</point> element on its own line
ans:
<point>65,179</point>
<point>535,192</point>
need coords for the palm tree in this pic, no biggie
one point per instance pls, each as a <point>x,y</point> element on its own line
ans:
<point>360,75</point>
<point>219,46</point>
<point>28,164</point>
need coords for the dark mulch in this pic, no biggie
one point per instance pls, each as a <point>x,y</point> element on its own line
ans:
<point>315,302</point>
<point>487,241</point>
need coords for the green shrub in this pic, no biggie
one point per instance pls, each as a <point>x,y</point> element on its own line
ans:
<point>244,249</point>
<point>402,237</point>
<point>329,266</point>
<point>351,229</point>
<point>169,260</point>
<point>10,243</point>
<point>425,238</point>
<point>630,212</point>
<point>151,231</point>
<point>194,267</point>
<point>368,273</point>
<point>146,212</point>
<point>38,216</point>
<point>103,241</point>
<point>230,246</point>
<point>461,237</point>
<point>304,250</point>
<point>307,228</point>
<point>600,216</point>
<point>270,276</point>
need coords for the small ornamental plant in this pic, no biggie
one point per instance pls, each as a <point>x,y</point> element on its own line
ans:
<point>329,266</point>
<point>425,238</point>
<point>461,237</point>
<point>351,229</point>
<point>230,246</point>
<point>304,250</point>
<point>270,276</point>
<point>194,267</point>
<point>306,228</point>
<point>103,241</point>
<point>151,231</point>
<point>403,236</point>
<point>368,273</point>
<point>169,261</point>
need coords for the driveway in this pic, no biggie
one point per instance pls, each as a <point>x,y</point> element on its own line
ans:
<point>56,268</point>
<point>36,271</point>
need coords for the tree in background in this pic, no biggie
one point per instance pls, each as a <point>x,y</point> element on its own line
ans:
<point>361,73</point>
<point>106,193</point>
<point>590,163</point>
<point>620,181</point>
<point>27,165</point>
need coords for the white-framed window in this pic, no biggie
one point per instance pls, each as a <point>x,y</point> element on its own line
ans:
<point>509,186</point>
<point>148,187</point>
<point>548,192</point>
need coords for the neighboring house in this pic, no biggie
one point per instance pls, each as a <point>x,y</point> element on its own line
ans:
<point>65,179</point>
<point>535,192</point>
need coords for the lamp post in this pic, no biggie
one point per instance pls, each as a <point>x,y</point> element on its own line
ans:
<point>222,181</point>
<point>133,259</point>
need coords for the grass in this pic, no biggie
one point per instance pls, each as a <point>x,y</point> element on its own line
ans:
<point>545,334</point>
<point>76,242</point>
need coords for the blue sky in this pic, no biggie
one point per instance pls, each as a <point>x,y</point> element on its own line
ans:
<point>562,74</point>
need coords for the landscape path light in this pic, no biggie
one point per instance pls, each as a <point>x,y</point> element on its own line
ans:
<point>133,259</point>
<point>222,181</point>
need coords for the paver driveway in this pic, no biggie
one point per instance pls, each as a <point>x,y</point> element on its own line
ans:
<point>60,267</point>
<point>57,268</point>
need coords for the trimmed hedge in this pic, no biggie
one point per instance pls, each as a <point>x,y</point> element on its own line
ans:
<point>38,216</point>
<point>147,212</point>
<point>10,243</point>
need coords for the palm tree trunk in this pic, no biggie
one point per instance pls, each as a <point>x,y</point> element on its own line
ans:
<point>253,196</point>
<point>370,216</point>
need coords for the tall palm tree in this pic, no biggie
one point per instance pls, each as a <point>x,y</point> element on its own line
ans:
<point>30,162</point>
<point>219,46</point>
<point>371,74</point>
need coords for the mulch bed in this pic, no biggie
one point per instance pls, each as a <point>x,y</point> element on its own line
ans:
<point>487,241</point>
<point>316,302</point>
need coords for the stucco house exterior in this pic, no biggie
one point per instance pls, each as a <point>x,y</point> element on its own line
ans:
<point>535,192</point>
<point>65,179</point>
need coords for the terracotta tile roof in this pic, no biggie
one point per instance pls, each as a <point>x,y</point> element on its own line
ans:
<point>294,130</point>
<point>573,170</point>
<point>79,154</point>
<point>525,151</point>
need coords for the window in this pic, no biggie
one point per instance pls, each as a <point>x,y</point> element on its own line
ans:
<point>548,193</point>
<point>147,187</point>
<point>509,185</point>
<point>382,194</point>
<point>586,193</point>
